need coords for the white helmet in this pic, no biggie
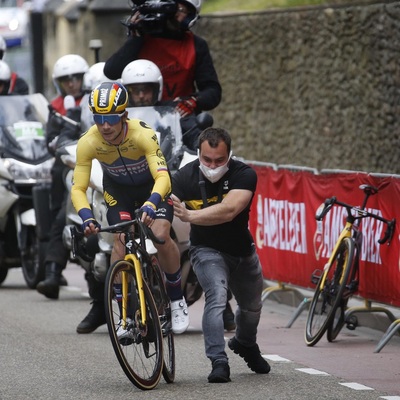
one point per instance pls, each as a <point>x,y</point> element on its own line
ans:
<point>94,76</point>
<point>5,72</point>
<point>71,64</point>
<point>191,19</point>
<point>143,71</point>
<point>3,47</point>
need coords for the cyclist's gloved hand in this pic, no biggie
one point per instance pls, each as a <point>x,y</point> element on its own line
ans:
<point>186,106</point>
<point>87,222</point>
<point>149,210</point>
<point>88,218</point>
<point>150,206</point>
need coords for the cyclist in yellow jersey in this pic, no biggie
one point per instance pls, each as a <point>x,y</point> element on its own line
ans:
<point>135,174</point>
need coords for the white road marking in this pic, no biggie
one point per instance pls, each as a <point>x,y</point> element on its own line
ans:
<point>355,386</point>
<point>390,397</point>
<point>312,371</point>
<point>275,357</point>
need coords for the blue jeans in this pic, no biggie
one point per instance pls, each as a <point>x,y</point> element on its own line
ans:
<point>216,272</point>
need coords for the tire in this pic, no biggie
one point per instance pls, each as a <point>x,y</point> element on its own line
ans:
<point>33,255</point>
<point>327,299</point>
<point>142,358</point>
<point>163,304</point>
<point>337,322</point>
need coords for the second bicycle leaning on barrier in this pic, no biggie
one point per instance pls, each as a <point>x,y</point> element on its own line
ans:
<point>339,278</point>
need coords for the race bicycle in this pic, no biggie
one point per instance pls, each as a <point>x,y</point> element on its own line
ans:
<point>339,279</point>
<point>137,304</point>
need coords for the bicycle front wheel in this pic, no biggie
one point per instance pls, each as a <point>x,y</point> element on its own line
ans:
<point>138,346</point>
<point>349,284</point>
<point>327,296</point>
<point>157,287</point>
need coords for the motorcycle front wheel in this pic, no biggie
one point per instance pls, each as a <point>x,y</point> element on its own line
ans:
<point>33,253</point>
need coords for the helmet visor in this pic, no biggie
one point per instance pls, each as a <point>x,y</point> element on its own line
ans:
<point>111,119</point>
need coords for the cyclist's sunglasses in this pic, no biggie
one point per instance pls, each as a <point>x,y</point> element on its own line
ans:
<point>111,119</point>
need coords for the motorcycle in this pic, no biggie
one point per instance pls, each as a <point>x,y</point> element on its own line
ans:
<point>25,166</point>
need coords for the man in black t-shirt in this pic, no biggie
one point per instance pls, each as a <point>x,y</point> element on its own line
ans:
<point>217,192</point>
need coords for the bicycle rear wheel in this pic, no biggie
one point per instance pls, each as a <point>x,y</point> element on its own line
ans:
<point>140,352</point>
<point>157,287</point>
<point>327,298</point>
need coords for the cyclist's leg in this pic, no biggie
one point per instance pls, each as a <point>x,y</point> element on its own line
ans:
<point>168,254</point>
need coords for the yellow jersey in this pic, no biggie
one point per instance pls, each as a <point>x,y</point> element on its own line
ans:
<point>136,161</point>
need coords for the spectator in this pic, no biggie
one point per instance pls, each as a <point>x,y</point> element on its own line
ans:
<point>217,192</point>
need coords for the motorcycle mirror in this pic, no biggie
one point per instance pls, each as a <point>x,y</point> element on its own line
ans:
<point>204,120</point>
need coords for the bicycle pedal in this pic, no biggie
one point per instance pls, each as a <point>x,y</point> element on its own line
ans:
<point>315,276</point>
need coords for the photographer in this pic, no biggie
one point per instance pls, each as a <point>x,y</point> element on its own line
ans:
<point>160,32</point>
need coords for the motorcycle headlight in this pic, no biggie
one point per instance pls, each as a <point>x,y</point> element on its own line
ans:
<point>28,173</point>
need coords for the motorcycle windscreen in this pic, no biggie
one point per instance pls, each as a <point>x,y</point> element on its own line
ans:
<point>22,126</point>
<point>165,121</point>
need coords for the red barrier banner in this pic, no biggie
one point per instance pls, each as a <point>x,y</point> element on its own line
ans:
<point>292,244</point>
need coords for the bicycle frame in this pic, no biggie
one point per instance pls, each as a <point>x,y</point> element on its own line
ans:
<point>132,256</point>
<point>346,232</point>
<point>134,250</point>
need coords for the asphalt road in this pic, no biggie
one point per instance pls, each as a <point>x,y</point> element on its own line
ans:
<point>42,357</point>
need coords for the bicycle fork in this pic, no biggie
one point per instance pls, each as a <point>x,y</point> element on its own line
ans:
<point>125,290</point>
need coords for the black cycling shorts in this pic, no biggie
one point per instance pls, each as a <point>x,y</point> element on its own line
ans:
<point>123,200</point>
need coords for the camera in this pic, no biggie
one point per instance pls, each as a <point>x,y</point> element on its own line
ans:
<point>153,15</point>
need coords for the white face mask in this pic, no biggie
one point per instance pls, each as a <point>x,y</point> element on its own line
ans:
<point>215,174</point>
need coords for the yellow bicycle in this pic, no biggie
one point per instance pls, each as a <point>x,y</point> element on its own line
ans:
<point>138,309</point>
<point>339,278</point>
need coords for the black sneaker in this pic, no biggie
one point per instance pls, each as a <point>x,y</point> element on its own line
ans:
<point>251,355</point>
<point>220,372</point>
<point>95,318</point>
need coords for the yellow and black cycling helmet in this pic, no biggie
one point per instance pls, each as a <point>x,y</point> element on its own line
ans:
<point>108,98</point>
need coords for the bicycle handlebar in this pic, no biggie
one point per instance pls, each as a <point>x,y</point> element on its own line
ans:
<point>361,213</point>
<point>387,237</point>
<point>123,227</point>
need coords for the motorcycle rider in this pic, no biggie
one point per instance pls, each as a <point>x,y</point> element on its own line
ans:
<point>183,58</point>
<point>135,175</point>
<point>68,73</point>
<point>10,82</point>
<point>144,83</point>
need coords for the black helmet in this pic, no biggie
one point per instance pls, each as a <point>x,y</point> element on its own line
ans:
<point>108,98</point>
